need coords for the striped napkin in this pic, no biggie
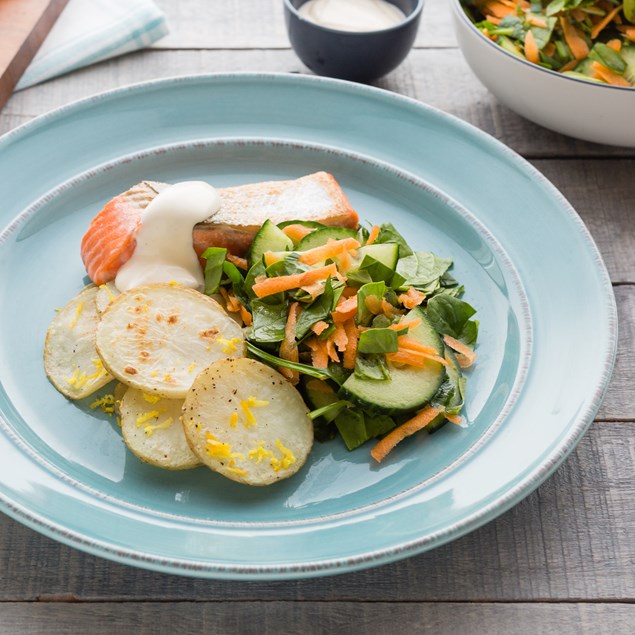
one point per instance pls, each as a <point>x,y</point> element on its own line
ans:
<point>90,31</point>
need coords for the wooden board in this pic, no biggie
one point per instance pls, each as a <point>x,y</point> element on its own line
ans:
<point>24,25</point>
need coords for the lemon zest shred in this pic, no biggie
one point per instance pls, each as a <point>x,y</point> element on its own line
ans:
<point>247,405</point>
<point>259,453</point>
<point>216,449</point>
<point>78,310</point>
<point>151,398</point>
<point>149,429</point>
<point>286,461</point>
<point>106,403</point>
<point>233,419</point>
<point>110,293</point>
<point>237,470</point>
<point>228,346</point>
<point>191,367</point>
<point>153,414</point>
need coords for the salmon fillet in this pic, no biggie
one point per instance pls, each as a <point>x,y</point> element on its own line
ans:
<point>110,239</point>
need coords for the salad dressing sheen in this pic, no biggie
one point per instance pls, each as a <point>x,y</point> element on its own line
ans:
<point>352,15</point>
<point>164,251</point>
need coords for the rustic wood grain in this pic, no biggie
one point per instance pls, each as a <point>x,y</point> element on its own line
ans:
<point>259,24</point>
<point>570,540</point>
<point>561,562</point>
<point>291,618</point>
<point>24,24</point>
<point>439,78</point>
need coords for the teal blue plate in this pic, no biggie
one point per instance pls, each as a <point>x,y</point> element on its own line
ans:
<point>527,261</point>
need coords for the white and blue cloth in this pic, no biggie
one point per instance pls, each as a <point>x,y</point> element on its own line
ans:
<point>90,31</point>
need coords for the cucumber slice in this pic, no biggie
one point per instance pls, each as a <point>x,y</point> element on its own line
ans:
<point>269,238</point>
<point>408,387</point>
<point>455,376</point>
<point>311,224</point>
<point>386,253</point>
<point>320,394</point>
<point>321,236</point>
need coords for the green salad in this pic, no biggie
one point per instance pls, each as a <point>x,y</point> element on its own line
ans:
<point>587,39</point>
<point>374,334</point>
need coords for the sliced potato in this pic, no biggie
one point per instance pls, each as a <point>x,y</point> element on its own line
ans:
<point>245,421</point>
<point>151,427</point>
<point>106,294</point>
<point>118,393</point>
<point>158,337</point>
<point>70,359</point>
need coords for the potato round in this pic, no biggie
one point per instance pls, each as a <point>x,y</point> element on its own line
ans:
<point>158,337</point>
<point>70,358</point>
<point>245,421</point>
<point>106,294</point>
<point>151,427</point>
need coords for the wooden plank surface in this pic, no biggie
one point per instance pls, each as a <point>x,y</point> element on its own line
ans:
<point>289,618</point>
<point>570,540</point>
<point>24,24</point>
<point>562,561</point>
<point>439,78</point>
<point>259,24</point>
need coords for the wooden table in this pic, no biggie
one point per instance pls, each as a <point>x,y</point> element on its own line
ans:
<point>562,561</point>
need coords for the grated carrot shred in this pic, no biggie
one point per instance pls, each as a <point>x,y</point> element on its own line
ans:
<point>241,263</point>
<point>289,347</point>
<point>466,356</point>
<point>532,52</point>
<point>296,232</point>
<point>605,21</point>
<point>352,335</point>
<point>418,422</point>
<point>319,354</point>
<point>372,236</point>
<point>575,41</point>
<point>412,298</point>
<point>339,337</point>
<point>319,327</point>
<point>346,308</point>
<point>271,286</point>
<point>602,72</point>
<point>332,249</point>
<point>414,358</point>
<point>246,317</point>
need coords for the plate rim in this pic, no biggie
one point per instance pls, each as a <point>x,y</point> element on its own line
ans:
<point>499,505</point>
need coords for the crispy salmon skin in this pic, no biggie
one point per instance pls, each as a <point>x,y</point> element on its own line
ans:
<point>110,239</point>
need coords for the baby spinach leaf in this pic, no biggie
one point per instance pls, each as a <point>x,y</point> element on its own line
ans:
<point>378,341</point>
<point>269,322</point>
<point>371,367</point>
<point>274,361</point>
<point>451,316</point>
<point>214,257</point>
<point>388,234</point>
<point>319,309</point>
<point>423,270</point>
<point>378,289</point>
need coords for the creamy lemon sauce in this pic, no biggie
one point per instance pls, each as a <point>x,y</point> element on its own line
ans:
<point>352,15</point>
<point>164,251</point>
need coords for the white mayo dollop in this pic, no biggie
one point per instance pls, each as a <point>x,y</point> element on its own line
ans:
<point>164,251</point>
<point>352,15</point>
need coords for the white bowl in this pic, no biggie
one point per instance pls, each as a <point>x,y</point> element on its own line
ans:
<point>575,107</point>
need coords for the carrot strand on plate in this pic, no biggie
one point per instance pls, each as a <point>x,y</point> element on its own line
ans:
<point>418,422</point>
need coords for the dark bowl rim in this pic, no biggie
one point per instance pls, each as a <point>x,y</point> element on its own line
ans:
<point>458,8</point>
<point>411,17</point>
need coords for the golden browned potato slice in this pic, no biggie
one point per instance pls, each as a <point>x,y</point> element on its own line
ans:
<point>151,427</point>
<point>70,359</point>
<point>105,296</point>
<point>158,337</point>
<point>245,421</point>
